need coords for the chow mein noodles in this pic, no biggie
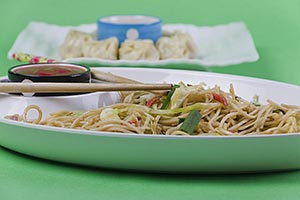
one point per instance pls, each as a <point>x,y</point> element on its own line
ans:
<point>185,110</point>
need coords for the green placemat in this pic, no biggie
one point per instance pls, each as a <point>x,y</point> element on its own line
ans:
<point>275,28</point>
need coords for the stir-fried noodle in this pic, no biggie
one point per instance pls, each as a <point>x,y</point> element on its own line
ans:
<point>222,113</point>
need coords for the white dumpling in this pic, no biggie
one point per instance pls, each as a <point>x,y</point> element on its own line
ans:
<point>105,49</point>
<point>138,50</point>
<point>176,45</point>
<point>73,43</point>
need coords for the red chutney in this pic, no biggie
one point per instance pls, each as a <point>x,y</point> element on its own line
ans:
<point>54,70</point>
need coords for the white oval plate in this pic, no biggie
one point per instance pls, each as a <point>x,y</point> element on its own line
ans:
<point>155,153</point>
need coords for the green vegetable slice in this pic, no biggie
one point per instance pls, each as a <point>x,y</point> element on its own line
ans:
<point>77,113</point>
<point>167,100</point>
<point>180,120</point>
<point>255,100</point>
<point>196,106</point>
<point>191,122</point>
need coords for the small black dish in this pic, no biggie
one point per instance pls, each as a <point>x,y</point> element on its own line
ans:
<point>50,72</point>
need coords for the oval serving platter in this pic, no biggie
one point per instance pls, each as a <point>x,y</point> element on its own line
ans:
<point>171,154</point>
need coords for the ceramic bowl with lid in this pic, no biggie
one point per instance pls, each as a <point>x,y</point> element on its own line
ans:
<point>129,27</point>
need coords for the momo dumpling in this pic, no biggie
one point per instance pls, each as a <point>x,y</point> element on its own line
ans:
<point>138,50</point>
<point>73,43</point>
<point>176,45</point>
<point>105,49</point>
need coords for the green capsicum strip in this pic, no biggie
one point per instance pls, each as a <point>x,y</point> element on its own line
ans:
<point>191,122</point>
<point>167,100</point>
<point>175,111</point>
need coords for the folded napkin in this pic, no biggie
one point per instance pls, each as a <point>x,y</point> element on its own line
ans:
<point>216,46</point>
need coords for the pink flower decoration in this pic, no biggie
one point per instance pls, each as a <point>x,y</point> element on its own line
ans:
<point>35,59</point>
<point>50,61</point>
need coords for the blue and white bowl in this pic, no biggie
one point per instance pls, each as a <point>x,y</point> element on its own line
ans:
<point>129,27</point>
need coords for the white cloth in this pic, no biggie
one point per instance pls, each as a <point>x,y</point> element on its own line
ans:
<point>216,46</point>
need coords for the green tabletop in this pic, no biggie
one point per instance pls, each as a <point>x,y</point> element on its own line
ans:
<point>275,27</point>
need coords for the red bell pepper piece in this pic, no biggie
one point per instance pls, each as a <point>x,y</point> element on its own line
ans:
<point>14,117</point>
<point>132,122</point>
<point>220,98</point>
<point>150,102</point>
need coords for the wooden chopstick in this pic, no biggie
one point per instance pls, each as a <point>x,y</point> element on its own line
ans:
<point>78,87</point>
<point>109,77</point>
<point>100,76</point>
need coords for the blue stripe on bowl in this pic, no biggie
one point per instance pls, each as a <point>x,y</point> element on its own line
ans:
<point>151,31</point>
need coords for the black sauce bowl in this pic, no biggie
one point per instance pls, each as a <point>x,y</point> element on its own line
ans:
<point>50,72</point>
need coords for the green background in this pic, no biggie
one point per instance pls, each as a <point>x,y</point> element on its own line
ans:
<point>275,28</point>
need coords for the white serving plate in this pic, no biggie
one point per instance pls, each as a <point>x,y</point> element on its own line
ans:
<point>172,154</point>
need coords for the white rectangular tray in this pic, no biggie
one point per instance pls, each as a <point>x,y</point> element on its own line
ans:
<point>219,45</point>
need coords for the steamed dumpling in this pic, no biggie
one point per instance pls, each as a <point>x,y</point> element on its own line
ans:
<point>73,43</point>
<point>138,50</point>
<point>176,45</point>
<point>105,49</point>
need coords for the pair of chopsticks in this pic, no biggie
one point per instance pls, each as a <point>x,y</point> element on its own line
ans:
<point>116,83</point>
